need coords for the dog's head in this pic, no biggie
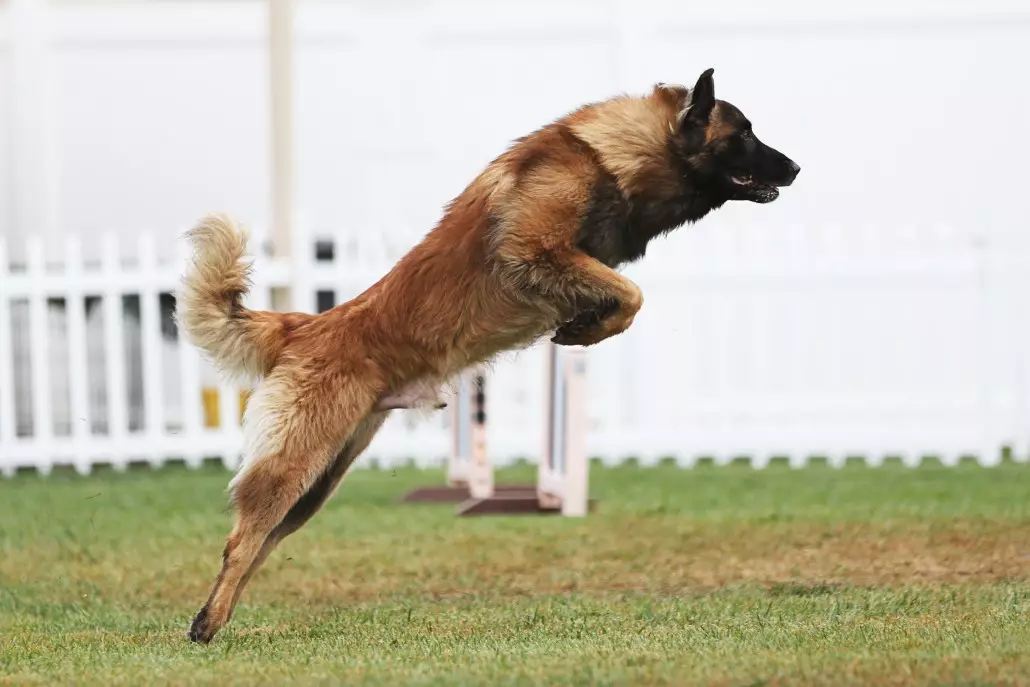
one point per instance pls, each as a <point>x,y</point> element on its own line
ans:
<point>721,152</point>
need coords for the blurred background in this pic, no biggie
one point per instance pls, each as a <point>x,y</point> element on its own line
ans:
<point>878,308</point>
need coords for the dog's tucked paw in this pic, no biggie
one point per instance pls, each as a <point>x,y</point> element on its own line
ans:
<point>591,327</point>
<point>569,338</point>
<point>579,334</point>
<point>581,330</point>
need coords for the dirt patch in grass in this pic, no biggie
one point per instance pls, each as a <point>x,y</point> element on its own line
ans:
<point>655,555</point>
<point>668,557</point>
<point>660,557</point>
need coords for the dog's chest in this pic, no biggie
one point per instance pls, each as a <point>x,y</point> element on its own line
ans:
<point>616,230</point>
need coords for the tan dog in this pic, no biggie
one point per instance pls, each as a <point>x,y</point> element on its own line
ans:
<point>528,248</point>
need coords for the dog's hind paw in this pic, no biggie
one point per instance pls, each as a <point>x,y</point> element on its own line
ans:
<point>200,631</point>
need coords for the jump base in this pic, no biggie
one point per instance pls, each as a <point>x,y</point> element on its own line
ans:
<point>523,501</point>
<point>457,494</point>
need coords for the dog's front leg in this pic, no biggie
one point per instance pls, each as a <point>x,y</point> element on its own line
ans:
<point>606,302</point>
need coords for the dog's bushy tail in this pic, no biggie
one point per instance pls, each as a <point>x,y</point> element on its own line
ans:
<point>242,343</point>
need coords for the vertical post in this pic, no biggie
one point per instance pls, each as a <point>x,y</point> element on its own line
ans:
<point>550,478</point>
<point>547,457</point>
<point>32,144</point>
<point>461,448</point>
<point>576,464</point>
<point>481,474</point>
<point>280,53</point>
<point>562,477</point>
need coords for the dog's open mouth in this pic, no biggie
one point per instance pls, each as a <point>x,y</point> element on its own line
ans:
<point>749,189</point>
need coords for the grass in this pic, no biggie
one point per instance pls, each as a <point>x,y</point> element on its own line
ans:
<point>722,576</point>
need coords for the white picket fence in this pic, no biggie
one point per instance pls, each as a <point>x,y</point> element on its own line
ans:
<point>753,342</point>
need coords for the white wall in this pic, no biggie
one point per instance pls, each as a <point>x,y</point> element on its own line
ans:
<point>5,132</point>
<point>910,113</point>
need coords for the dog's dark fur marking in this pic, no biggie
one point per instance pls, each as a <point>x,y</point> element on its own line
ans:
<point>617,229</point>
<point>605,232</point>
<point>314,497</point>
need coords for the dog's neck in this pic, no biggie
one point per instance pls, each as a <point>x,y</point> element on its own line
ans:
<point>617,227</point>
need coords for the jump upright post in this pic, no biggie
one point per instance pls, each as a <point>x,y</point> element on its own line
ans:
<point>468,445</point>
<point>562,476</point>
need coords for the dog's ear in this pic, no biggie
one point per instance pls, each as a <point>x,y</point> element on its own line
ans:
<point>701,102</point>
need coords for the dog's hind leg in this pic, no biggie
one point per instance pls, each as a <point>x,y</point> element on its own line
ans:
<point>326,486</point>
<point>315,497</point>
<point>298,448</point>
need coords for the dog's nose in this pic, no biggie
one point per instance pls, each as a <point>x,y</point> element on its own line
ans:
<point>793,173</point>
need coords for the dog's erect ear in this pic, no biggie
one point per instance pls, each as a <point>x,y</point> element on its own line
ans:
<point>702,100</point>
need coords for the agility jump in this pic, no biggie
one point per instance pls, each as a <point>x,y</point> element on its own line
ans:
<point>562,474</point>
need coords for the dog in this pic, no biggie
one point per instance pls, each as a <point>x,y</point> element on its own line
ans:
<point>528,249</point>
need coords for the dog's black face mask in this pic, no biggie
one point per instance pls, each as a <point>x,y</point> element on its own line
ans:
<point>753,170</point>
<point>723,153</point>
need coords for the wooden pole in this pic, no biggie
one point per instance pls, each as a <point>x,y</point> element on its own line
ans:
<point>576,496</point>
<point>481,471</point>
<point>280,53</point>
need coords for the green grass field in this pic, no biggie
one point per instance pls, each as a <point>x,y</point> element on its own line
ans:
<point>722,576</point>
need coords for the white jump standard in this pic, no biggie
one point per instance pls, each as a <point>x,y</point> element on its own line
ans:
<point>562,477</point>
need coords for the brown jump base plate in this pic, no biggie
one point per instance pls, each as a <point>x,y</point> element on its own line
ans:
<point>458,494</point>
<point>512,502</point>
<point>508,499</point>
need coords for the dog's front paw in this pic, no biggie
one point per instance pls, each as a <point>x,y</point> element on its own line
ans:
<point>574,334</point>
<point>579,331</point>
<point>590,327</point>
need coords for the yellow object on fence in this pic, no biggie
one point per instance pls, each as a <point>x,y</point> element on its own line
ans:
<point>212,414</point>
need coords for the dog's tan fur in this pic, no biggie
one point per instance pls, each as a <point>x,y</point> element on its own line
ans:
<point>501,269</point>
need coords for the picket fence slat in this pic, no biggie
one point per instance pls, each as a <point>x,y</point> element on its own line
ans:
<point>114,346</point>
<point>42,408</point>
<point>80,416</point>
<point>756,342</point>
<point>150,337</point>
